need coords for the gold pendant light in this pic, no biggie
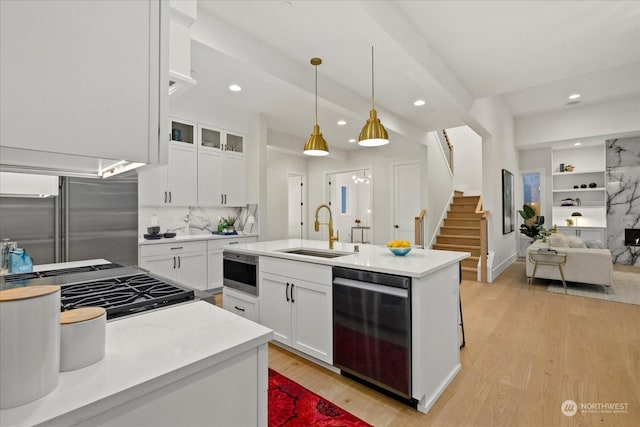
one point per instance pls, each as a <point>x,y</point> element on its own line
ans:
<point>373,134</point>
<point>316,145</point>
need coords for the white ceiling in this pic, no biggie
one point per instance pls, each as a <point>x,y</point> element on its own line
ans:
<point>532,53</point>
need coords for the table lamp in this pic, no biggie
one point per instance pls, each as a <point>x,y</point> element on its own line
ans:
<point>576,215</point>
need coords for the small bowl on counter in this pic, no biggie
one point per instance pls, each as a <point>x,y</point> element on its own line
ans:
<point>400,251</point>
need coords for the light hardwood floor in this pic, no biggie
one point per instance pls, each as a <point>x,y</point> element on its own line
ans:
<point>527,351</point>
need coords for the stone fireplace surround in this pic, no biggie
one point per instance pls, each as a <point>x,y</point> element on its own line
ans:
<point>623,199</point>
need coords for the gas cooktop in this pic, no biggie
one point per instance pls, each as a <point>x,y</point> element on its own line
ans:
<point>121,291</point>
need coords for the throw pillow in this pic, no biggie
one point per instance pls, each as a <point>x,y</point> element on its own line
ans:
<point>575,242</point>
<point>594,244</point>
<point>558,240</point>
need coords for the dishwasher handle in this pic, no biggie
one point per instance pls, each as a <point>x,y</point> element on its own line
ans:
<point>372,287</point>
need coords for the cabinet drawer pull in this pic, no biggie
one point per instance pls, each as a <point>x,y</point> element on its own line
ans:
<point>178,261</point>
<point>176,248</point>
<point>169,196</point>
<point>292,300</point>
<point>174,262</point>
<point>165,197</point>
<point>238,308</point>
<point>287,291</point>
<point>233,243</point>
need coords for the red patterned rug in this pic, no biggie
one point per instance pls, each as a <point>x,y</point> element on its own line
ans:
<point>292,405</point>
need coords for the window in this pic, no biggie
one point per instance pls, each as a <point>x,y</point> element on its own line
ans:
<point>343,199</point>
<point>531,182</point>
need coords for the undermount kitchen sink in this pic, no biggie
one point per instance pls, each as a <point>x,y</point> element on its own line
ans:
<point>315,252</point>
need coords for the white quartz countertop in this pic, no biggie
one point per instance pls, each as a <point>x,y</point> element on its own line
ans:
<point>418,263</point>
<point>194,237</point>
<point>143,353</point>
<point>70,264</point>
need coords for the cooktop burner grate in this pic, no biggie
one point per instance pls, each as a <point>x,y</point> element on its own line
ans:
<point>121,296</point>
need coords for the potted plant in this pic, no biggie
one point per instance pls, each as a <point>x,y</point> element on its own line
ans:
<point>532,222</point>
<point>229,222</point>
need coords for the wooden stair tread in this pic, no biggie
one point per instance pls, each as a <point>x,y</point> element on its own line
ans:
<point>461,248</point>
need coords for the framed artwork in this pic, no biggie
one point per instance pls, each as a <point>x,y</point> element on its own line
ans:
<point>508,208</point>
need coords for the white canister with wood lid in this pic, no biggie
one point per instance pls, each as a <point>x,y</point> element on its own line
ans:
<point>82,337</point>
<point>29,343</point>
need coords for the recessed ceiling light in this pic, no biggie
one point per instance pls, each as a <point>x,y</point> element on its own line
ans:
<point>419,103</point>
<point>577,143</point>
<point>341,122</point>
<point>352,140</point>
<point>235,88</point>
<point>574,96</point>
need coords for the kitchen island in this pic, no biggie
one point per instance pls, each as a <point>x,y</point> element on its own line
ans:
<point>298,299</point>
<point>186,364</point>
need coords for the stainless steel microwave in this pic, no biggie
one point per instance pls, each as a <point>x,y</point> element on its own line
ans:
<point>240,272</point>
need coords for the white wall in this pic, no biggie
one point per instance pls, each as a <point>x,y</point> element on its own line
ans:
<point>540,159</point>
<point>607,118</point>
<point>438,183</point>
<point>498,152</point>
<point>279,165</point>
<point>467,166</point>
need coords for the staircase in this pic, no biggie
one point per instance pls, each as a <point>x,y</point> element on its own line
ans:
<point>462,232</point>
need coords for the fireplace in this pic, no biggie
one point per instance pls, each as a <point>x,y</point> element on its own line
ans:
<point>632,237</point>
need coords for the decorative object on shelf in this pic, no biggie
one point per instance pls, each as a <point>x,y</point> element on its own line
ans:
<point>567,202</point>
<point>569,168</point>
<point>575,215</point>
<point>316,144</point>
<point>229,223</point>
<point>569,222</point>
<point>357,221</point>
<point>578,201</point>
<point>554,230</point>
<point>508,209</point>
<point>593,185</point>
<point>576,186</point>
<point>373,134</point>
<point>583,185</point>
<point>561,167</point>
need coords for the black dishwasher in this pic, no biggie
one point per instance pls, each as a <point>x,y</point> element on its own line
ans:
<point>372,328</point>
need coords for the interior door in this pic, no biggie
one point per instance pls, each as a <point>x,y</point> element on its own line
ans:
<point>406,199</point>
<point>296,206</point>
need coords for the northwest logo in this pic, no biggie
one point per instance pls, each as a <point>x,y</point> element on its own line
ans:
<point>569,408</point>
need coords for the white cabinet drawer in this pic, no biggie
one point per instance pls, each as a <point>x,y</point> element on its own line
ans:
<point>297,270</point>
<point>220,243</point>
<point>172,248</point>
<point>242,305</point>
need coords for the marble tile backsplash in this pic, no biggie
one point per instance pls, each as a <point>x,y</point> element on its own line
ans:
<point>191,220</point>
<point>623,197</point>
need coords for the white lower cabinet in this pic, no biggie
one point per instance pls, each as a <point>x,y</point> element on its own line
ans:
<point>183,262</point>
<point>214,258</point>
<point>298,310</point>
<point>240,303</point>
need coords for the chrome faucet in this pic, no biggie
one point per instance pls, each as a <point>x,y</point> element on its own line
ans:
<point>316,226</point>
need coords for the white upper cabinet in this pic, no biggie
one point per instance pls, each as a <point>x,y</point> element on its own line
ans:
<point>221,168</point>
<point>176,183</point>
<point>27,185</point>
<point>82,79</point>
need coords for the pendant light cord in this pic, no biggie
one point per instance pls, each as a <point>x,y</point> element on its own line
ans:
<point>316,94</point>
<point>373,106</point>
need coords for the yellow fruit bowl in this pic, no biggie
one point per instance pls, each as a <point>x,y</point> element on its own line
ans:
<point>400,251</point>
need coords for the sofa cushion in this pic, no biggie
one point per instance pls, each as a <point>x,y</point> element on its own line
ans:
<point>575,242</point>
<point>558,240</point>
<point>594,244</point>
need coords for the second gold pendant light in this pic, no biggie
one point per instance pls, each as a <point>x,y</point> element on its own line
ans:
<point>373,134</point>
<point>316,144</point>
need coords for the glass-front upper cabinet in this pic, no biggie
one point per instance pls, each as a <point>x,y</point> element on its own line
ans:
<point>182,131</point>
<point>211,138</point>
<point>218,139</point>
<point>235,143</point>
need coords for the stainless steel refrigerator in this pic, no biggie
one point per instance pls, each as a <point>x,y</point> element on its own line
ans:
<point>90,218</point>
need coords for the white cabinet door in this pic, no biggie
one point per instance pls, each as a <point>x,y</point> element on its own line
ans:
<point>234,180</point>
<point>275,306</point>
<point>312,332</point>
<point>214,270</point>
<point>192,270</point>
<point>152,186</point>
<point>592,234</point>
<point>86,72</point>
<point>182,175</point>
<point>210,178</point>
<point>162,265</point>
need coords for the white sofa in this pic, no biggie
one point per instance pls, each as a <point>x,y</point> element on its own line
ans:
<point>584,265</point>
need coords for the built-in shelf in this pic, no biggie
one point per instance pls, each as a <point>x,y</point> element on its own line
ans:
<point>578,172</point>
<point>578,190</point>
